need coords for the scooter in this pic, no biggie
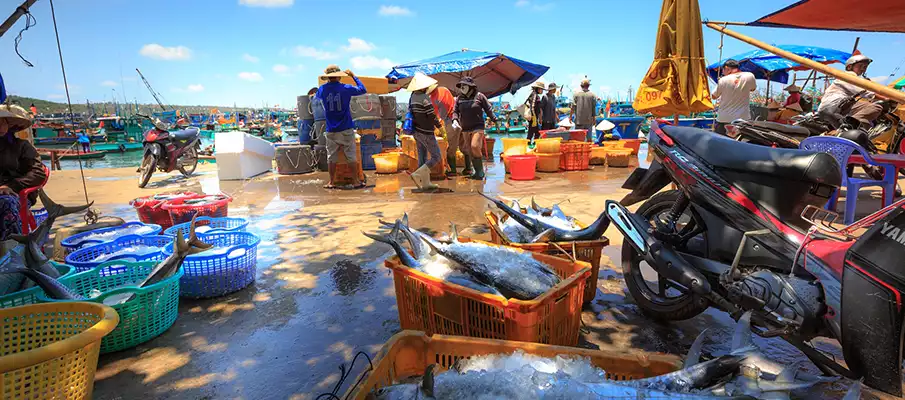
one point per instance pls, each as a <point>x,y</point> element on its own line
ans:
<point>167,151</point>
<point>745,231</point>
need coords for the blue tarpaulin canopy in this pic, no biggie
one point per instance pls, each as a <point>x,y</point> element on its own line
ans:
<point>2,90</point>
<point>766,65</point>
<point>494,73</point>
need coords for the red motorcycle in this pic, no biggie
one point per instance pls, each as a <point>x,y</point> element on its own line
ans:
<point>745,231</point>
<point>166,150</point>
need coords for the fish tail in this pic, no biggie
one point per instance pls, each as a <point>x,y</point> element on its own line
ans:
<point>55,210</point>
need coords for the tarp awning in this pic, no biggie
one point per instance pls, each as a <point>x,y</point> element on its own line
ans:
<point>845,15</point>
<point>766,65</point>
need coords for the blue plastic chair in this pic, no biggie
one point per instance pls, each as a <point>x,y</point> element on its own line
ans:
<point>842,150</point>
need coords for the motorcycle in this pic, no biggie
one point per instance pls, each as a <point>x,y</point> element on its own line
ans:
<point>167,151</point>
<point>745,231</point>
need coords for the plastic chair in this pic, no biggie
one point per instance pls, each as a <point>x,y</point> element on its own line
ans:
<point>842,149</point>
<point>28,220</point>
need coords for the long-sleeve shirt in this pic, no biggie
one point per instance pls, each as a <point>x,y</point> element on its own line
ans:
<point>336,97</point>
<point>840,90</point>
<point>20,165</point>
<point>444,102</point>
<point>584,106</point>
<point>548,108</point>
<point>424,119</point>
<point>535,109</point>
<point>470,112</point>
<point>793,99</point>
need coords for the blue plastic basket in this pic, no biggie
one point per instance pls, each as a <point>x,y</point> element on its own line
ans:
<point>223,224</point>
<point>83,259</point>
<point>76,241</point>
<point>40,215</point>
<point>219,274</point>
<point>30,295</point>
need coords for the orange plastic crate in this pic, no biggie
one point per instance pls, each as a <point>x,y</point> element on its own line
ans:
<point>588,251</point>
<point>435,306</point>
<point>576,156</point>
<point>408,353</point>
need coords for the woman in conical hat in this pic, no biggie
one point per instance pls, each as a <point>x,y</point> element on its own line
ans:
<point>20,167</point>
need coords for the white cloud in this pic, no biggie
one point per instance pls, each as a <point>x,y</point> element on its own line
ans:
<point>371,62</point>
<point>533,5</point>
<point>159,52</point>
<point>109,83</point>
<point>266,3</point>
<point>250,58</point>
<point>250,76</point>
<point>311,52</point>
<point>357,45</point>
<point>195,88</point>
<point>395,11</point>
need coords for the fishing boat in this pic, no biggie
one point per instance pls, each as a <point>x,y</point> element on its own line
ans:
<point>70,154</point>
<point>516,123</point>
<point>118,147</point>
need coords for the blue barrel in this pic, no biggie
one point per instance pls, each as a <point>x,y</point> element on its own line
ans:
<point>305,127</point>
<point>367,124</point>
<point>317,108</point>
<point>369,139</point>
<point>389,143</point>
<point>368,150</point>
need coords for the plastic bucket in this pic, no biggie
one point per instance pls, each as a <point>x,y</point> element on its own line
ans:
<point>368,151</point>
<point>522,167</point>
<point>548,162</point>
<point>579,135</point>
<point>514,143</point>
<point>550,145</point>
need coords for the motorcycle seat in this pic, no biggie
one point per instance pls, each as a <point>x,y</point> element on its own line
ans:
<point>185,134</point>
<point>790,164</point>
<point>783,128</point>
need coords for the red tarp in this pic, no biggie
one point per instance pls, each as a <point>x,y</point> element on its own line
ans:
<point>845,15</point>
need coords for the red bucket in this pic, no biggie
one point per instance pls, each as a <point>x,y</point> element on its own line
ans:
<point>580,135</point>
<point>522,167</point>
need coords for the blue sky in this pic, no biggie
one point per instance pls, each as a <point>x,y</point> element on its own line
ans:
<point>252,52</point>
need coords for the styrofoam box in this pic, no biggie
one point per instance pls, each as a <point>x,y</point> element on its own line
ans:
<point>242,156</point>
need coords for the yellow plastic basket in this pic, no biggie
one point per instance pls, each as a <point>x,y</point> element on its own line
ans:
<point>50,350</point>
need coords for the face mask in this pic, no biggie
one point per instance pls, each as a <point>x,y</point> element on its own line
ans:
<point>465,90</point>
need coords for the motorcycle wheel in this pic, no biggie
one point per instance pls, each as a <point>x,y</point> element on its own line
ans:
<point>666,300</point>
<point>148,166</point>
<point>190,158</point>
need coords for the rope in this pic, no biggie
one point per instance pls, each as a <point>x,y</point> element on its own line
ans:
<point>30,21</point>
<point>91,215</point>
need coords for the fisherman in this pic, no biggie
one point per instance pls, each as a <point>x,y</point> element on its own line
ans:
<point>794,95</point>
<point>734,91</point>
<point>20,168</point>
<point>471,108</point>
<point>548,108</point>
<point>340,132</point>
<point>424,120</point>
<point>584,108</point>
<point>85,141</point>
<point>865,111</point>
<point>535,111</point>
<point>444,105</point>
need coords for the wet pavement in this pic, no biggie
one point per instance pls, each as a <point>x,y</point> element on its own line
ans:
<point>322,294</point>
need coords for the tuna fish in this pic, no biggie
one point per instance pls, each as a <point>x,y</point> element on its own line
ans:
<point>563,230</point>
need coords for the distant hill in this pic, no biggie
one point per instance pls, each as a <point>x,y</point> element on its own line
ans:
<point>45,106</point>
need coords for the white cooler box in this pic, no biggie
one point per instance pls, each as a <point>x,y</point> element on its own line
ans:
<point>242,156</point>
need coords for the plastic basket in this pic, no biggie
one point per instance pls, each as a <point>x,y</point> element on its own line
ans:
<point>74,243</point>
<point>618,157</point>
<point>550,145</point>
<point>576,156</point>
<point>520,145</point>
<point>149,313</point>
<point>598,155</point>
<point>40,215</point>
<point>435,306</point>
<point>181,212</point>
<point>613,144</point>
<point>150,212</point>
<point>408,353</point>
<point>588,251</point>
<point>578,135</point>
<point>82,259</point>
<point>386,163</point>
<point>30,295</point>
<point>227,224</point>
<point>487,150</point>
<point>50,350</point>
<point>220,274</point>
<point>547,162</point>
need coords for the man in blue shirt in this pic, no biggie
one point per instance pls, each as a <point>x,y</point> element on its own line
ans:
<point>340,135</point>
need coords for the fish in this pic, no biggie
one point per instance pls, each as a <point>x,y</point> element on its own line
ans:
<point>854,393</point>
<point>53,288</point>
<point>553,211</point>
<point>561,231</point>
<point>421,388</point>
<point>517,233</point>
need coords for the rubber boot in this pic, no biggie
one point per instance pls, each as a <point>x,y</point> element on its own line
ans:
<point>467,171</point>
<point>478,165</point>
<point>426,178</point>
<point>417,177</point>
<point>451,171</point>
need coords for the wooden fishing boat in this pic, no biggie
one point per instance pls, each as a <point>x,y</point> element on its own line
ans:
<point>69,154</point>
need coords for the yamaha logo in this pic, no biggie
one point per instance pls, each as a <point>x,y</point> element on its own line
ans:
<point>893,232</point>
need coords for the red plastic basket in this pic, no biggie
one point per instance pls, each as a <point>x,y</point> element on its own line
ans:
<point>150,210</point>
<point>580,135</point>
<point>181,212</point>
<point>576,156</point>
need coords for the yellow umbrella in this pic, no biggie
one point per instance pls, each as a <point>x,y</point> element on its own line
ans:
<point>676,83</point>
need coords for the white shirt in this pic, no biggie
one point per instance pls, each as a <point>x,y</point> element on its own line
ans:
<point>839,91</point>
<point>734,92</point>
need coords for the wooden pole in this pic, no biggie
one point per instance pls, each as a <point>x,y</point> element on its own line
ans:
<point>862,83</point>
<point>20,11</point>
<point>767,100</point>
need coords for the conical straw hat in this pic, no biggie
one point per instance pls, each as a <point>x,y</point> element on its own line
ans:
<point>421,81</point>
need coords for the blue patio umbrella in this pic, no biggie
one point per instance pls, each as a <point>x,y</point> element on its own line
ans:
<point>766,65</point>
<point>494,73</point>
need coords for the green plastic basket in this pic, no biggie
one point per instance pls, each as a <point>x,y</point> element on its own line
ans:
<point>151,312</point>
<point>30,295</point>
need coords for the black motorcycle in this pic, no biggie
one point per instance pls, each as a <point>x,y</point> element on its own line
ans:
<point>745,231</point>
<point>166,150</point>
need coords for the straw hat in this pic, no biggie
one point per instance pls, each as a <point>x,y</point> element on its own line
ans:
<point>333,71</point>
<point>585,82</point>
<point>773,105</point>
<point>538,84</point>
<point>552,86</point>
<point>17,118</point>
<point>466,81</point>
<point>794,106</point>
<point>605,126</point>
<point>421,81</point>
<point>792,88</point>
